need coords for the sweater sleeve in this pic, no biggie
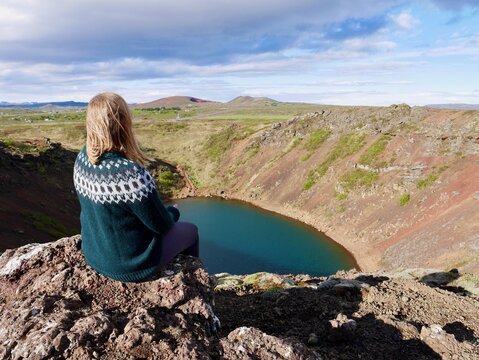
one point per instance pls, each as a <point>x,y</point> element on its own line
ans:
<point>149,209</point>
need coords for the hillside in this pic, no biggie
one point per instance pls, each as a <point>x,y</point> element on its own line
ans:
<point>396,186</point>
<point>38,199</point>
<point>173,101</point>
<point>241,101</point>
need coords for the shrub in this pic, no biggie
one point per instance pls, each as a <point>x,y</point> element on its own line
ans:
<point>404,199</point>
<point>424,183</point>
<point>168,182</point>
<point>358,178</point>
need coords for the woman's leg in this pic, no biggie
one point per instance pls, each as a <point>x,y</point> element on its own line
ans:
<point>182,238</point>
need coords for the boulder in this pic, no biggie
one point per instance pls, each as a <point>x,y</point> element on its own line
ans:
<point>251,343</point>
<point>53,305</point>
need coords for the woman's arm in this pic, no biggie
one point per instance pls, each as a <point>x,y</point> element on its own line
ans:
<point>150,210</point>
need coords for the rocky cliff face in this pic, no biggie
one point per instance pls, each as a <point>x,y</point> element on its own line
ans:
<point>53,305</point>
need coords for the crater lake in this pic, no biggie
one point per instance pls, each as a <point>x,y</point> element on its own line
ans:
<point>239,238</point>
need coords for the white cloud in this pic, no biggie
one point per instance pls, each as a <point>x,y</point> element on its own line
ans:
<point>405,20</point>
<point>369,44</point>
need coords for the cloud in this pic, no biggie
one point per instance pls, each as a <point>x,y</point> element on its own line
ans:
<point>405,20</point>
<point>207,32</point>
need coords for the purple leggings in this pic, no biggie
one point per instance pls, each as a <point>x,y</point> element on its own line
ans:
<point>182,238</point>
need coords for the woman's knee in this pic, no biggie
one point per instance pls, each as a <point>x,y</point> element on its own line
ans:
<point>188,227</point>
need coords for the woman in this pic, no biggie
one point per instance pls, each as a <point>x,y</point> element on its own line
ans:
<point>127,233</point>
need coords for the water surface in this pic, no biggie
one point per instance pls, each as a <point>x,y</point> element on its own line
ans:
<point>239,238</point>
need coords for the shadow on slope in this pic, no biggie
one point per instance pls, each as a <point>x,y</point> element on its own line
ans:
<point>310,316</point>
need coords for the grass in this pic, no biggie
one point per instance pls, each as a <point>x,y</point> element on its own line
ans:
<point>316,139</point>
<point>427,181</point>
<point>18,146</point>
<point>358,178</point>
<point>431,178</point>
<point>342,196</point>
<point>372,154</point>
<point>169,182</point>
<point>218,143</point>
<point>306,157</point>
<point>310,181</point>
<point>404,199</point>
<point>48,225</point>
<point>170,127</point>
<point>347,145</point>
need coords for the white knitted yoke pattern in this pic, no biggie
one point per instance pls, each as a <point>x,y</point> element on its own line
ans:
<point>112,181</point>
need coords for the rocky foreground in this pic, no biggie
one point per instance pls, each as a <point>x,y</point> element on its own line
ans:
<point>53,305</point>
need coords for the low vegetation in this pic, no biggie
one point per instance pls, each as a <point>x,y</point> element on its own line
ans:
<point>427,181</point>
<point>431,178</point>
<point>347,144</point>
<point>404,199</point>
<point>48,225</point>
<point>170,126</point>
<point>357,178</point>
<point>371,155</point>
<point>218,143</point>
<point>169,182</point>
<point>316,139</point>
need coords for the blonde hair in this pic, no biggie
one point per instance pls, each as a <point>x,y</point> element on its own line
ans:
<point>109,128</point>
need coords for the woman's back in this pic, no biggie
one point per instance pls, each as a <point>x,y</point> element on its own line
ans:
<point>122,217</point>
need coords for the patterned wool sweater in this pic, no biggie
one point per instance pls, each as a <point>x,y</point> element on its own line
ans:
<point>122,218</point>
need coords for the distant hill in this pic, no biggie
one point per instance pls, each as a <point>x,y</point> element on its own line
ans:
<point>35,105</point>
<point>173,101</point>
<point>251,100</point>
<point>454,106</point>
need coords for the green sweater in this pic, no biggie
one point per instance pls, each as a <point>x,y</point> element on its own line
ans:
<point>122,218</point>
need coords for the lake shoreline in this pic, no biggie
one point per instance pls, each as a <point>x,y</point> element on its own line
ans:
<point>199,193</point>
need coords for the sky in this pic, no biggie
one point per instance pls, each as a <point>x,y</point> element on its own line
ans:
<point>345,52</point>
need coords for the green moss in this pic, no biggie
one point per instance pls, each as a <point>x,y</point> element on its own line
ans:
<point>371,155</point>
<point>427,181</point>
<point>358,179</point>
<point>404,199</point>
<point>341,208</point>
<point>342,196</point>
<point>347,145</point>
<point>316,139</point>
<point>48,225</point>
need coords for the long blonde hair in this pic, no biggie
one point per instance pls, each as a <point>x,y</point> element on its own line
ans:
<point>109,128</point>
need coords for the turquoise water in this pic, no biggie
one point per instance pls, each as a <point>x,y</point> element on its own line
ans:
<point>238,238</point>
